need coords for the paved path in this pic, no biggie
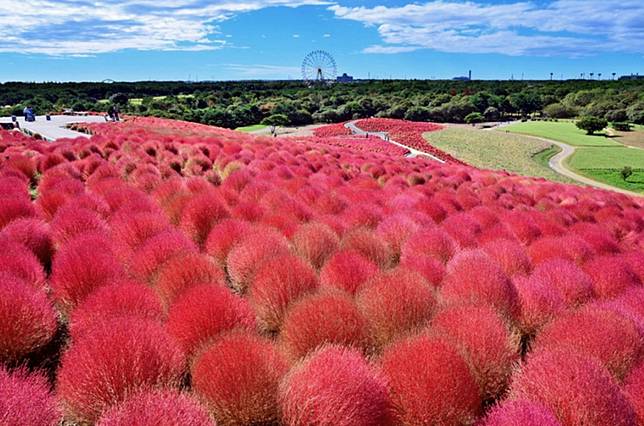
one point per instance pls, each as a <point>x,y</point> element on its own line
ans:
<point>55,129</point>
<point>557,163</point>
<point>383,135</point>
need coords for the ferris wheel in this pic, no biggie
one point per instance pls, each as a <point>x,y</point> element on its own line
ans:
<point>319,67</point>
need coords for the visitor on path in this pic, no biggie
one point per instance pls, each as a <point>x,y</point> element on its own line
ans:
<point>113,113</point>
<point>29,114</point>
<point>116,113</point>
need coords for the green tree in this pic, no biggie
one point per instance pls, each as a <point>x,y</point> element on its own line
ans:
<point>591,124</point>
<point>626,172</point>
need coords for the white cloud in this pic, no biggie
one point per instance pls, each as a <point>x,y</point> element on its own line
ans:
<point>86,27</point>
<point>561,27</point>
<point>251,71</point>
<point>296,36</point>
<point>327,35</point>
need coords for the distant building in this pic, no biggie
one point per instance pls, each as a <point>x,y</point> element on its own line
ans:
<point>344,78</point>
<point>632,77</point>
<point>464,78</point>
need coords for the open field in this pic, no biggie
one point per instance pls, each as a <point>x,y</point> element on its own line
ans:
<point>498,151</point>
<point>562,131</point>
<point>251,128</point>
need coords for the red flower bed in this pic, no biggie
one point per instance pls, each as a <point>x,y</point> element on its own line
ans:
<point>176,269</point>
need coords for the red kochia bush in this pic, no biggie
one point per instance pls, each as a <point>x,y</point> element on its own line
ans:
<point>430,268</point>
<point>201,213</point>
<point>238,378</point>
<point>18,260</point>
<point>123,299</point>
<point>395,302</point>
<point>35,234</point>
<point>574,285</point>
<point>157,408</point>
<point>491,349</point>
<point>329,317</point>
<point>611,275</point>
<point>113,361</point>
<point>347,270</point>
<point>71,221</point>
<point>26,399</point>
<point>334,386</point>
<point>369,245</point>
<point>12,208</point>
<point>223,236</point>
<point>539,303</point>
<point>634,391</point>
<point>251,252</point>
<point>432,242</point>
<point>520,413</point>
<point>474,277</point>
<point>576,388</point>
<point>130,230</point>
<point>204,312</point>
<point>184,271</point>
<point>463,228</point>
<point>279,282</point>
<point>568,247</point>
<point>27,319</point>
<point>315,242</point>
<point>154,252</point>
<point>603,334</point>
<point>84,264</point>
<point>510,255</point>
<point>430,383</point>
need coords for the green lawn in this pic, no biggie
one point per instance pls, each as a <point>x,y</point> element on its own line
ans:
<point>607,158</point>
<point>613,177</point>
<point>497,150</point>
<point>565,132</point>
<point>253,128</point>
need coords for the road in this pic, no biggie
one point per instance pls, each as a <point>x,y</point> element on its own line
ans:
<point>557,163</point>
<point>383,135</point>
<point>56,127</point>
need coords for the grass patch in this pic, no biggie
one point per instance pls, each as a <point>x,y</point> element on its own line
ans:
<point>135,101</point>
<point>565,132</point>
<point>606,158</point>
<point>613,177</point>
<point>496,150</point>
<point>253,128</point>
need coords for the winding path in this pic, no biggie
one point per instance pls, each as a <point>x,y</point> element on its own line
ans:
<point>56,127</point>
<point>557,163</point>
<point>413,153</point>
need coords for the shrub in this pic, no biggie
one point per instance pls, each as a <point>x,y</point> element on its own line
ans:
<point>369,245</point>
<point>184,271</point>
<point>156,251</point>
<point>201,213</point>
<point>611,275</point>
<point>112,362</point>
<point>347,270</point>
<point>203,313</point>
<point>395,230</point>
<point>315,242</point>
<point>238,377</point>
<point>26,399</point>
<point>605,335</point>
<point>247,256</point>
<point>71,221</point>
<point>432,242</point>
<point>569,247</point>
<point>591,124</point>
<point>473,277</point>
<point>329,317</point>
<point>520,413</point>
<point>395,302</point>
<point>429,267</point>
<point>12,208</point>
<point>510,255</point>
<point>626,172</point>
<point>157,408</point>
<point>463,228</point>
<point>27,319</point>
<point>81,266</point>
<point>334,386</point>
<point>18,260</point>
<point>113,301</point>
<point>573,285</point>
<point>34,234</point>
<point>278,283</point>
<point>131,230</point>
<point>482,334</point>
<point>429,382</point>
<point>634,391</point>
<point>223,237</point>
<point>540,303</point>
<point>576,388</point>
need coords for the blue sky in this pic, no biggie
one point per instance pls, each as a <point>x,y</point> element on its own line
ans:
<point>92,40</point>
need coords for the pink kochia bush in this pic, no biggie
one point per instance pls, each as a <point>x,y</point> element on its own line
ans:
<point>113,361</point>
<point>201,213</point>
<point>327,317</point>
<point>238,378</point>
<point>611,276</point>
<point>26,399</point>
<point>335,386</point>
<point>203,313</point>
<point>35,234</point>
<point>347,270</point>
<point>315,242</point>
<point>430,382</point>
<point>575,387</point>
<point>396,302</point>
<point>278,283</point>
<point>157,408</point>
<point>572,284</point>
<point>634,391</point>
<point>520,413</point>
<point>27,319</point>
<point>492,351</point>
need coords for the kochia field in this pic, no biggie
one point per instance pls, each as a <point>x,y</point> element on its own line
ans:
<point>163,272</point>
